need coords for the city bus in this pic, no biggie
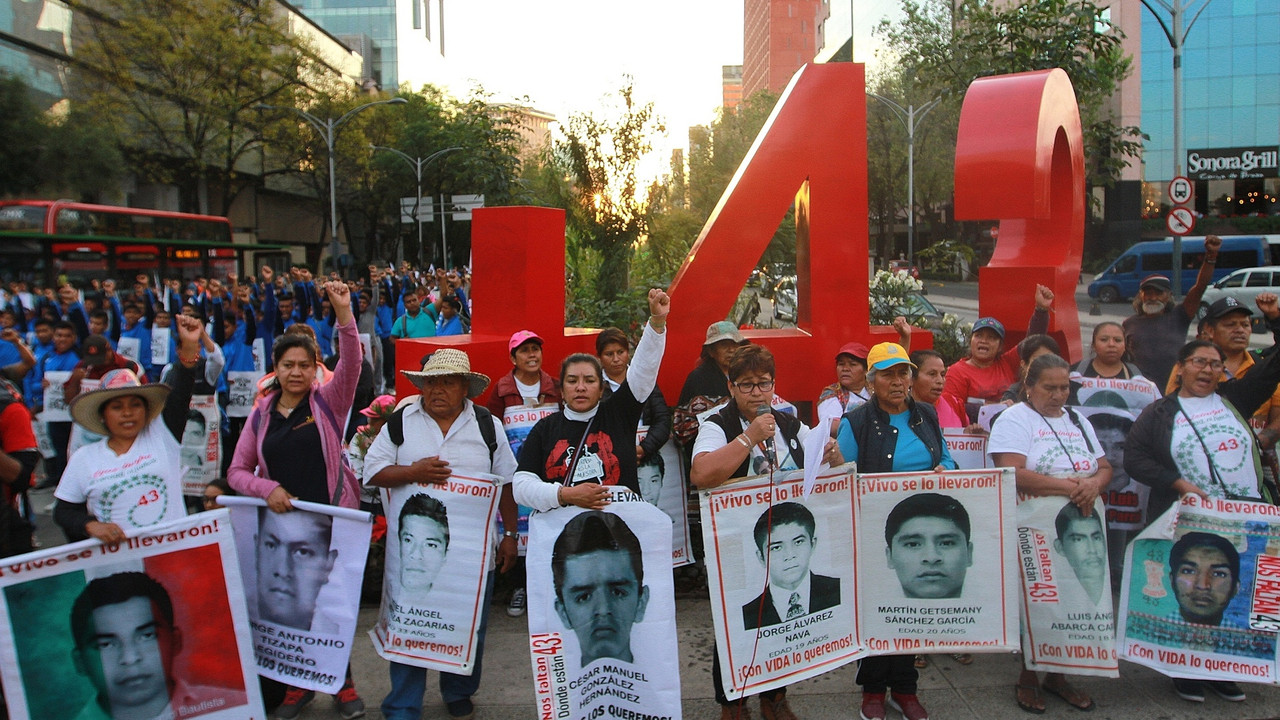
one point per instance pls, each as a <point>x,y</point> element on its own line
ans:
<point>49,242</point>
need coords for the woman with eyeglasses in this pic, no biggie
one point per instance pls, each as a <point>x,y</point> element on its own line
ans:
<point>1197,439</point>
<point>734,443</point>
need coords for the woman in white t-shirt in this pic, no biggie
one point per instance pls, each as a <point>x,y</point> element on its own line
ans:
<point>1053,451</point>
<point>132,478</point>
<point>1197,441</point>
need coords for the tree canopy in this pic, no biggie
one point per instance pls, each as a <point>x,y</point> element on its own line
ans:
<point>179,81</point>
<point>944,45</point>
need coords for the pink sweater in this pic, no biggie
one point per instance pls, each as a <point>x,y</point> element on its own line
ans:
<point>335,395</point>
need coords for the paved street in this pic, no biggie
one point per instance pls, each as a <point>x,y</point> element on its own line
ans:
<point>961,298</point>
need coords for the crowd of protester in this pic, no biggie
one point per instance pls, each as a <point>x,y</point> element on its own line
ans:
<point>887,411</point>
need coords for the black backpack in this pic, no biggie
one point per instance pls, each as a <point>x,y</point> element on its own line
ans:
<point>395,428</point>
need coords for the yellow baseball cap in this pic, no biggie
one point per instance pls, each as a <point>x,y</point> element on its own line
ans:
<point>887,355</point>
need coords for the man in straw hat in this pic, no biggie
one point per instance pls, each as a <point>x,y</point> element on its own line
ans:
<point>441,436</point>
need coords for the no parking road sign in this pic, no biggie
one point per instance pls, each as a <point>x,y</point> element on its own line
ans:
<point>1181,190</point>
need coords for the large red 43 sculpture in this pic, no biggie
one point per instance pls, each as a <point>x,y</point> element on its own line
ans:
<point>1019,159</point>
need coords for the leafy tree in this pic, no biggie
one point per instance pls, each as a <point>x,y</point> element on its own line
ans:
<point>180,79</point>
<point>947,44</point>
<point>23,134</point>
<point>603,157</point>
<point>486,162</point>
<point>43,154</point>
<point>887,160</point>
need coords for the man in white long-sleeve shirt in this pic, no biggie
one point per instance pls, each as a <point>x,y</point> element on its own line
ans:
<point>570,457</point>
<point>442,436</point>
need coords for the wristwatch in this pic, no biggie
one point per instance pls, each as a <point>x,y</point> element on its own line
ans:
<point>510,534</point>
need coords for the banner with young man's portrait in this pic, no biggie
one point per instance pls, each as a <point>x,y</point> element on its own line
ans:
<point>662,485</point>
<point>153,627</point>
<point>781,578</point>
<point>1112,404</point>
<point>602,626</point>
<point>439,552</point>
<point>517,422</point>
<point>302,571</point>
<point>201,445</point>
<point>1200,597</point>
<point>1069,623</point>
<point>936,561</point>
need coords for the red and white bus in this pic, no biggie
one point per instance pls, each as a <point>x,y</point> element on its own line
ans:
<point>51,241</point>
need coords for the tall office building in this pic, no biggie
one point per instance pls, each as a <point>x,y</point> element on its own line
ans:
<point>1231,108</point>
<point>731,86</point>
<point>406,37</point>
<point>778,37</point>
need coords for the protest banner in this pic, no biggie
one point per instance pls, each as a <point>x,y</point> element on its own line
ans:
<point>764,541</point>
<point>260,359</point>
<point>439,553</point>
<point>131,348</point>
<point>302,571</point>
<point>201,445</point>
<point>969,451</point>
<point>517,421</point>
<point>44,443</point>
<point>242,388</point>
<point>1068,621</point>
<point>662,484</point>
<point>55,400</point>
<point>602,626</point>
<point>160,346</point>
<point>1111,406</point>
<point>153,627</point>
<point>1200,597</point>
<point>80,436</point>
<point>935,559</point>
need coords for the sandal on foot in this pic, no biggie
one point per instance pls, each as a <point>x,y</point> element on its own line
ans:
<point>1071,696</point>
<point>1029,698</point>
<point>962,658</point>
<point>922,662</point>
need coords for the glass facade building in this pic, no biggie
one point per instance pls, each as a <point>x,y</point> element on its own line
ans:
<point>375,19</point>
<point>1231,99</point>
<point>34,44</point>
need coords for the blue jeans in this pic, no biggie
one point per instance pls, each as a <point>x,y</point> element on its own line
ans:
<point>409,682</point>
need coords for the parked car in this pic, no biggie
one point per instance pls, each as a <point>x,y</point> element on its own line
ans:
<point>1245,286</point>
<point>784,299</point>
<point>915,307</point>
<point>896,265</point>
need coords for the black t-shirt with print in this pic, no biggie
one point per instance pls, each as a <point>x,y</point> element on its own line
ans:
<point>294,455</point>
<point>608,455</point>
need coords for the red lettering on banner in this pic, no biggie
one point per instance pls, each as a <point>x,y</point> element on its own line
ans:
<point>1020,159</point>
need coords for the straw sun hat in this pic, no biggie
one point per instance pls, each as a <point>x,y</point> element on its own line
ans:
<point>445,362</point>
<point>86,408</point>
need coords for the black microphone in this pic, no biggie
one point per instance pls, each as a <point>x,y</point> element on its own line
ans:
<point>769,453</point>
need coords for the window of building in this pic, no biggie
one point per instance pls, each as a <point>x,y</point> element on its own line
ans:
<point>417,14</point>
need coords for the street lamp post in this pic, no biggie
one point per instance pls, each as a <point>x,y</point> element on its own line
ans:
<point>910,117</point>
<point>418,165</point>
<point>328,128</point>
<point>1176,32</point>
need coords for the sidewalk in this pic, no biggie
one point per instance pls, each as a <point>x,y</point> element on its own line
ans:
<point>983,690</point>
